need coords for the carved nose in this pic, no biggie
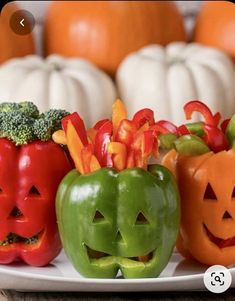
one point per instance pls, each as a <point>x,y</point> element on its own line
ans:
<point>119,237</point>
<point>16,212</point>
<point>226,215</point>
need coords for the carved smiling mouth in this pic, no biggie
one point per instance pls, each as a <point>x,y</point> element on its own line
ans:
<point>93,254</point>
<point>13,238</point>
<point>221,243</point>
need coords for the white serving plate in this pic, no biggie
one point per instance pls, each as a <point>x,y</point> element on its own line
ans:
<point>179,275</point>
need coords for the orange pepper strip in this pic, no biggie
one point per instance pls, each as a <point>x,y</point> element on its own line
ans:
<point>118,114</point>
<point>130,162</point>
<point>119,154</point>
<point>91,133</point>
<point>86,154</point>
<point>59,137</point>
<point>75,146</point>
<point>94,164</point>
<point>90,162</point>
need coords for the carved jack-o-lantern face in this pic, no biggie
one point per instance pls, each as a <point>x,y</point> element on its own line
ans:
<point>29,176</point>
<point>110,221</point>
<point>207,188</point>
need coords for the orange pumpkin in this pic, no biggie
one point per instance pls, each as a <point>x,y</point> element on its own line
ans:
<point>104,32</point>
<point>12,44</point>
<point>206,185</point>
<point>215,26</point>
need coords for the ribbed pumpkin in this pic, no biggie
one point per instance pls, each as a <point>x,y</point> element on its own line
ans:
<point>106,31</point>
<point>12,45</point>
<point>165,78</point>
<point>57,82</point>
<point>215,25</point>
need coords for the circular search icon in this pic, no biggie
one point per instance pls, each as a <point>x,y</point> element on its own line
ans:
<point>22,22</point>
<point>217,279</point>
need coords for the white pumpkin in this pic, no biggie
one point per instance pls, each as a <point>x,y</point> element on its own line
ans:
<point>164,79</point>
<point>57,82</point>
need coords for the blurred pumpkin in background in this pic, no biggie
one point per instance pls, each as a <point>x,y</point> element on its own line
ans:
<point>57,82</point>
<point>215,25</point>
<point>12,44</point>
<point>164,79</point>
<point>104,32</point>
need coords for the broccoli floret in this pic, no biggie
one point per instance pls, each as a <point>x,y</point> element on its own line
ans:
<point>22,123</point>
<point>26,107</point>
<point>55,116</point>
<point>9,106</point>
<point>48,123</point>
<point>29,109</point>
<point>17,127</point>
<point>43,129</point>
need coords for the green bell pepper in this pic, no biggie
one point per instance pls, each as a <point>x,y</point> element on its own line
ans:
<point>111,220</point>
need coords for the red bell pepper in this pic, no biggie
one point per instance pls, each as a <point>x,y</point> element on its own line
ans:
<point>197,106</point>
<point>29,177</point>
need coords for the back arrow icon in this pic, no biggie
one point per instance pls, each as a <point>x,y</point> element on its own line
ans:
<point>22,22</point>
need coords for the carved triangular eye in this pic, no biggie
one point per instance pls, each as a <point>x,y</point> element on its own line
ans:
<point>34,191</point>
<point>209,193</point>
<point>98,217</point>
<point>141,219</point>
<point>233,193</point>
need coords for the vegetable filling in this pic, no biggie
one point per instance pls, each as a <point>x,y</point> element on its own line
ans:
<point>15,238</point>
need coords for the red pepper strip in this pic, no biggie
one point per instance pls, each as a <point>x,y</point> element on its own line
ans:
<point>224,125</point>
<point>102,139</point>
<point>168,126</point>
<point>78,124</point>
<point>143,116</point>
<point>155,150</point>
<point>100,123</point>
<point>215,138</point>
<point>130,162</point>
<point>125,132</point>
<point>198,106</point>
<point>119,154</point>
<point>143,147</point>
<point>163,127</point>
<point>217,118</point>
<point>182,130</point>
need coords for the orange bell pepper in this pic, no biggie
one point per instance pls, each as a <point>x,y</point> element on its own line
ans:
<point>206,185</point>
